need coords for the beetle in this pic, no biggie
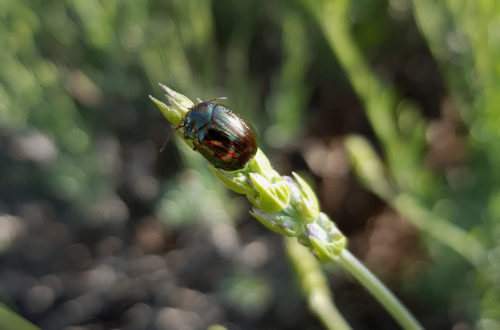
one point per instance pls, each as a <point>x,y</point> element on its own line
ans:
<point>222,136</point>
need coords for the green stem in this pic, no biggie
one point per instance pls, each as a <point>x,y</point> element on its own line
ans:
<point>369,168</point>
<point>379,100</point>
<point>449,234</point>
<point>326,312</point>
<point>378,290</point>
<point>314,286</point>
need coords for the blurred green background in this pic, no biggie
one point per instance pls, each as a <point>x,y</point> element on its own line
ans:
<point>100,230</point>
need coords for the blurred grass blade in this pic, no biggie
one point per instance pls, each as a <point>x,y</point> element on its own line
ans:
<point>314,286</point>
<point>10,320</point>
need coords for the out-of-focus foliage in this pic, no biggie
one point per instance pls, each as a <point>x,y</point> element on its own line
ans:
<point>465,41</point>
<point>100,230</point>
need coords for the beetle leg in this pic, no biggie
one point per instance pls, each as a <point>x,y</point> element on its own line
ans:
<point>200,137</point>
<point>195,144</point>
<point>178,127</point>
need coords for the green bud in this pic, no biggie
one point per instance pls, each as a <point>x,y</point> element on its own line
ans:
<point>327,242</point>
<point>269,195</point>
<point>328,226</point>
<point>235,180</point>
<point>168,112</point>
<point>178,101</point>
<point>260,164</point>
<point>179,105</point>
<point>277,222</point>
<point>304,199</point>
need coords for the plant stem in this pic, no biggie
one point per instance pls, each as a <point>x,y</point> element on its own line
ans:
<point>314,286</point>
<point>350,263</point>
<point>447,233</point>
<point>370,170</point>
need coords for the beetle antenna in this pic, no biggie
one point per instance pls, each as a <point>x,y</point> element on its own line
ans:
<point>222,98</point>
<point>169,136</point>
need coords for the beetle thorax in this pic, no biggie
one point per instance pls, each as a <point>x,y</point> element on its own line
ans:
<point>199,116</point>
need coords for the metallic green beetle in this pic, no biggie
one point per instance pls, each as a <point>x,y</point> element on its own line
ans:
<point>223,137</point>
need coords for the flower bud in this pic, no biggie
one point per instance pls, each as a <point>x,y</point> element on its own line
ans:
<point>180,102</point>
<point>303,199</point>
<point>327,242</point>
<point>174,116</point>
<point>269,195</point>
<point>235,180</point>
<point>277,222</point>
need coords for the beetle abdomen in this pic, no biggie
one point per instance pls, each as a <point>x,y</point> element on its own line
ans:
<point>229,142</point>
<point>220,135</point>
